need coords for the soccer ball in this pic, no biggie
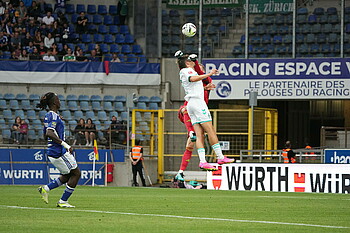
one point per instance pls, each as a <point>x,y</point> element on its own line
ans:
<point>189,29</point>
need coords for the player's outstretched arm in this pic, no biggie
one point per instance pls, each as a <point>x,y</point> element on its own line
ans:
<point>197,78</point>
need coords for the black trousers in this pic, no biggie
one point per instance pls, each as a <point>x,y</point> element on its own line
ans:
<point>138,168</point>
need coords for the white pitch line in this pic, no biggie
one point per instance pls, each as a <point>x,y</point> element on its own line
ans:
<point>176,216</point>
<point>290,197</point>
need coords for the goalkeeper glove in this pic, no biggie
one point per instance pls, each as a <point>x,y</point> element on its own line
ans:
<point>192,57</point>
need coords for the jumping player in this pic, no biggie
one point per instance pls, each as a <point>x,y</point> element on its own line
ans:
<point>184,117</point>
<point>198,111</point>
<point>59,152</point>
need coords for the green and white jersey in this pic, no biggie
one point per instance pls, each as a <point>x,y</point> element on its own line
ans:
<point>192,89</point>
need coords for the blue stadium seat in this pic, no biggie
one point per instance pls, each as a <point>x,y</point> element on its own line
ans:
<point>9,96</point>
<point>80,8</point>
<point>143,99</point>
<point>78,114</point>
<point>333,19</point>
<point>141,105</point>
<point>174,13</point>
<point>32,136</point>
<point>116,20</point>
<point>316,28</point>
<point>153,106</point>
<point>129,39</point>
<point>66,115</point>
<point>1,97</point>
<point>124,116</point>
<point>333,38</point>
<point>98,38</point>
<point>102,29</point>
<point>72,97</point>
<point>70,9</point>
<point>86,38</point>
<point>112,10</point>
<point>3,104</point>
<point>3,124</point>
<point>42,114</point>
<point>91,28</point>
<point>97,19</point>
<point>125,49</point>
<point>120,39</point>
<point>107,106</point>
<point>114,48</point>
<point>83,98</point>
<point>142,58</point>
<point>331,11</point>
<point>310,38</point>
<point>314,48</point>
<point>95,98</point>
<point>98,124</point>
<point>327,28</point>
<point>121,57</point>
<point>108,39</point>
<point>104,48</point>
<point>318,11</point>
<point>96,106</point>
<point>90,114</point>
<point>113,113</point>
<point>302,11</point>
<point>21,97</point>
<point>107,57</point>
<point>120,98</point>
<point>119,106</point>
<point>72,105</point>
<point>84,106</point>
<point>312,19</point>
<point>155,99</point>
<point>7,114</point>
<point>102,9</point>
<point>6,135</point>
<point>72,124</point>
<point>132,58</point>
<point>82,46</point>
<point>287,39</point>
<point>20,113</point>
<point>108,98</point>
<point>63,105</point>
<point>91,46</point>
<point>91,9</point>
<point>31,115</point>
<point>323,19</point>
<point>113,29</point>
<point>124,29</point>
<point>325,48</point>
<point>102,116</point>
<point>37,125</point>
<point>14,104</point>
<point>277,39</point>
<point>108,20</point>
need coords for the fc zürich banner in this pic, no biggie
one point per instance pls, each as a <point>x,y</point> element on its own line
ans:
<point>310,178</point>
<point>281,78</point>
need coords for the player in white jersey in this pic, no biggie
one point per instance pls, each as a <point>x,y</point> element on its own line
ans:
<point>198,111</point>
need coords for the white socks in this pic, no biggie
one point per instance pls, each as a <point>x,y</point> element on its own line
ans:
<point>217,148</point>
<point>201,154</point>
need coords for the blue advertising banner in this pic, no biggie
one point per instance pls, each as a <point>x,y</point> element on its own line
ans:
<point>337,156</point>
<point>281,78</point>
<point>31,166</point>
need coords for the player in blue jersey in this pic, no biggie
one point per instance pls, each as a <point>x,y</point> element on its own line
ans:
<point>58,151</point>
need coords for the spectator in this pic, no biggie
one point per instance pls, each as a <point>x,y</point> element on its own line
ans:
<point>49,56</point>
<point>115,58</point>
<point>32,27</point>
<point>11,10</point>
<point>34,11</point>
<point>62,19</point>
<point>2,9</point>
<point>6,17</point>
<point>49,41</point>
<point>26,40</point>
<point>69,56</point>
<point>90,132</point>
<point>56,32</point>
<point>14,3</point>
<point>98,50</point>
<point>113,130</point>
<point>82,22</point>
<point>24,56</point>
<point>42,49</point>
<point>60,6</point>
<point>30,48</point>
<point>35,56</point>
<point>48,19</point>
<point>16,130</point>
<point>122,10</point>
<point>38,39</point>
<point>15,40</point>
<point>93,56</point>
<point>8,28</point>
<point>55,50</point>
<point>13,57</point>
<point>22,9</point>
<point>79,132</point>
<point>80,55</point>
<point>65,32</point>
<point>23,130</point>
<point>3,42</point>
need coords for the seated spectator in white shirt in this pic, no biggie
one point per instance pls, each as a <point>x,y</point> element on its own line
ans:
<point>48,19</point>
<point>48,41</point>
<point>48,56</point>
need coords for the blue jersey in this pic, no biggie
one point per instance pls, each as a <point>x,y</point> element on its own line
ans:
<point>53,121</point>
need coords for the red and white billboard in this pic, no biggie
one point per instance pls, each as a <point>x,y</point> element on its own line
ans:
<point>310,178</point>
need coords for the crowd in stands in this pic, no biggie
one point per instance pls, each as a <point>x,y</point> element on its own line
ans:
<point>34,30</point>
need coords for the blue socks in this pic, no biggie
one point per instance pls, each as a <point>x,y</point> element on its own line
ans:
<point>54,184</point>
<point>67,192</point>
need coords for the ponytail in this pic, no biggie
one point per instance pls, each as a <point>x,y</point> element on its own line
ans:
<point>46,100</point>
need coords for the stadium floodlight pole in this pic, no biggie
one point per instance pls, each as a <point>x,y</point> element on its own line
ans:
<point>342,29</point>
<point>200,22</point>
<point>159,29</point>
<point>294,30</point>
<point>246,29</point>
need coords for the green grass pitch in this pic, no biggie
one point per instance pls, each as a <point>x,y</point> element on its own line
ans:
<point>110,209</point>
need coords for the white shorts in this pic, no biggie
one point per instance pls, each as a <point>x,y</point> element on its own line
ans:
<point>65,163</point>
<point>198,111</point>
